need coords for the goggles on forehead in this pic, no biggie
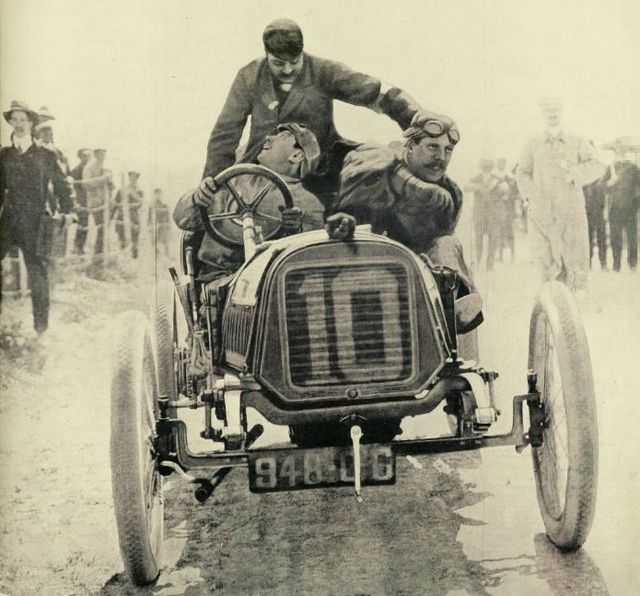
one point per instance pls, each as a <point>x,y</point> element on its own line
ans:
<point>436,128</point>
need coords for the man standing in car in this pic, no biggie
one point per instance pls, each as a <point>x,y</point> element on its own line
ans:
<point>288,85</point>
<point>26,169</point>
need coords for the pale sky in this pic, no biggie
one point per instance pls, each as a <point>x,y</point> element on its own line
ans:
<point>146,79</point>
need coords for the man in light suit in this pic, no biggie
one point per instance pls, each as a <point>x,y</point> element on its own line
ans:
<point>554,167</point>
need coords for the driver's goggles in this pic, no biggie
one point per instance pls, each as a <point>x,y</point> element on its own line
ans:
<point>432,128</point>
<point>436,128</point>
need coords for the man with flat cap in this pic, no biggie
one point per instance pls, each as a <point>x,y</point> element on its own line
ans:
<point>554,167</point>
<point>26,170</point>
<point>293,152</point>
<point>289,85</point>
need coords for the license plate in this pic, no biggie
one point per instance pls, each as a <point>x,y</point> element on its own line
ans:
<point>293,469</point>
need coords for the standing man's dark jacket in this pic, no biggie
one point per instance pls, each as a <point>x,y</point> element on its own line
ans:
<point>310,102</point>
<point>25,177</point>
<point>24,181</point>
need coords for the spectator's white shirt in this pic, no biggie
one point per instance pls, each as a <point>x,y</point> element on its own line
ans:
<point>22,143</point>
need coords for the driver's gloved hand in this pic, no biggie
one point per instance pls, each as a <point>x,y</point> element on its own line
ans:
<point>291,220</point>
<point>340,226</point>
<point>205,193</point>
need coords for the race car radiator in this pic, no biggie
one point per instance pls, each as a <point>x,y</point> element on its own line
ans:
<point>348,325</point>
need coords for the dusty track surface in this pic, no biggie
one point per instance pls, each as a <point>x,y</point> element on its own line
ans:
<point>464,523</point>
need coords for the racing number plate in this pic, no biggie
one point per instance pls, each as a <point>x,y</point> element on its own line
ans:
<point>293,469</point>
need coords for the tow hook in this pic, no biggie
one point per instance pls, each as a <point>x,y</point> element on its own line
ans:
<point>356,435</point>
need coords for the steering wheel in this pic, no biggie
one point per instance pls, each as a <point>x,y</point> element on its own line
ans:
<point>228,222</point>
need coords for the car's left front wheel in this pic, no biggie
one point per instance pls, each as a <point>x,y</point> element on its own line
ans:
<point>136,482</point>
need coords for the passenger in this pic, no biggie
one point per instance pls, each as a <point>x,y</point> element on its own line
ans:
<point>404,191</point>
<point>293,153</point>
<point>288,85</point>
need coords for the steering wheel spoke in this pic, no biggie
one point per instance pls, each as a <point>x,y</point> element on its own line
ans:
<point>227,227</point>
<point>223,216</point>
<point>261,194</point>
<point>236,195</point>
<point>267,216</point>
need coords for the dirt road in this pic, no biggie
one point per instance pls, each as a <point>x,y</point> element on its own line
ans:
<point>453,524</point>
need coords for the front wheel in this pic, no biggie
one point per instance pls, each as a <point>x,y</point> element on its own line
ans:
<point>566,465</point>
<point>136,482</point>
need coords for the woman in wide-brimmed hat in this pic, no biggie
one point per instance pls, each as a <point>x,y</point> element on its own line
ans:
<point>22,106</point>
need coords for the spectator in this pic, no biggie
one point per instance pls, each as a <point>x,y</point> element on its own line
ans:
<point>128,198</point>
<point>45,135</point>
<point>159,221</point>
<point>623,183</point>
<point>25,172</point>
<point>508,193</point>
<point>98,184</point>
<point>488,191</point>
<point>554,167</point>
<point>84,155</point>
<point>595,203</point>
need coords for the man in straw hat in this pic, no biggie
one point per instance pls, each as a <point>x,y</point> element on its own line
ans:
<point>554,167</point>
<point>292,151</point>
<point>289,85</point>
<point>26,169</point>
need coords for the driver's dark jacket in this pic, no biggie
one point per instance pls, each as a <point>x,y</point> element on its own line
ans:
<point>218,259</point>
<point>377,188</point>
<point>310,102</point>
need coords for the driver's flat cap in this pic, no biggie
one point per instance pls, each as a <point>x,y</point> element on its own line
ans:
<point>283,39</point>
<point>308,142</point>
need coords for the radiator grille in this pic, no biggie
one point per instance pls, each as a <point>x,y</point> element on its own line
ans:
<point>236,328</point>
<point>348,324</point>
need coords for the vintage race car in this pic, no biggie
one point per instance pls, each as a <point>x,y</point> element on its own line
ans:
<point>339,337</point>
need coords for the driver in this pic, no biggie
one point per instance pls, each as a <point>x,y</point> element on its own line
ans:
<point>293,152</point>
<point>403,191</point>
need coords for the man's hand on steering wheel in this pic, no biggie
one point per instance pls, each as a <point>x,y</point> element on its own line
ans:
<point>205,193</point>
<point>291,220</point>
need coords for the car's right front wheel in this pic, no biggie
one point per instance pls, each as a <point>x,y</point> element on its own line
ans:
<point>566,464</point>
